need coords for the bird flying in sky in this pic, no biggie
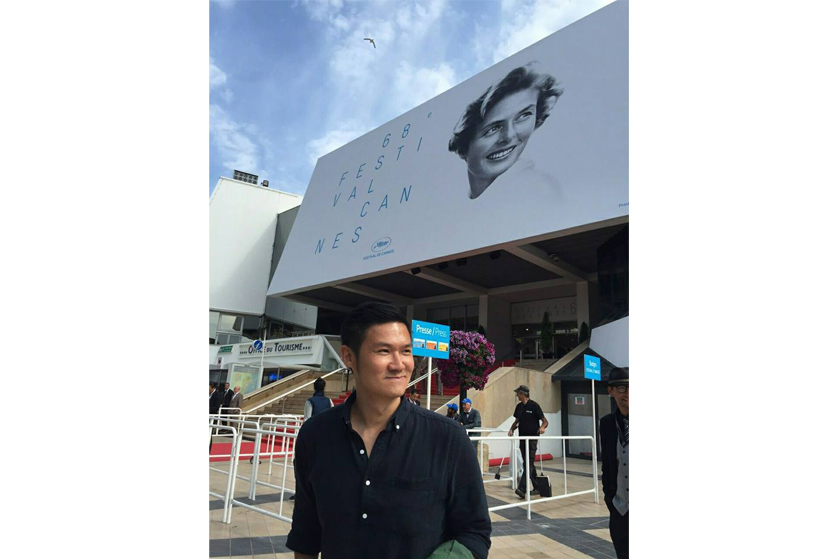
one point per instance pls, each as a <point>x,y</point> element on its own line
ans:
<point>371,41</point>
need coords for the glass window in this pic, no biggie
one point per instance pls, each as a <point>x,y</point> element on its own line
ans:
<point>438,315</point>
<point>214,321</point>
<point>230,323</point>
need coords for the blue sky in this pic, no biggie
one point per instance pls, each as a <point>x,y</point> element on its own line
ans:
<point>293,80</point>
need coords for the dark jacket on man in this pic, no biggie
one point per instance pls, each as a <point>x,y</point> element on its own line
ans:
<point>471,419</point>
<point>609,460</point>
<point>215,401</point>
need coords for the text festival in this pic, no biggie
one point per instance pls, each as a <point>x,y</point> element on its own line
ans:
<point>366,197</point>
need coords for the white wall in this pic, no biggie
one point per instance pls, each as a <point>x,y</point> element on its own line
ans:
<point>612,342</point>
<point>243,219</point>
<point>293,312</point>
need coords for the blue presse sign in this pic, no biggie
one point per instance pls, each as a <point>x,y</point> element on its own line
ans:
<point>591,367</point>
<point>430,339</point>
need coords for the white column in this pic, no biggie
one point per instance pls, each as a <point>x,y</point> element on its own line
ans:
<point>483,311</point>
<point>582,303</point>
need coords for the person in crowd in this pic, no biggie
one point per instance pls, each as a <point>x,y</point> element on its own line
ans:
<point>615,460</point>
<point>452,412</point>
<point>471,418</point>
<point>529,418</point>
<point>378,477</point>
<point>317,403</point>
<point>215,399</point>
<point>495,128</point>
<point>236,401</point>
<point>414,396</point>
<point>215,403</point>
<point>227,395</point>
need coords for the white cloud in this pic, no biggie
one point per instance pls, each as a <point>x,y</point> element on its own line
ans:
<point>217,76</point>
<point>413,86</point>
<point>237,149</point>
<point>322,10</point>
<point>524,22</point>
<point>334,139</point>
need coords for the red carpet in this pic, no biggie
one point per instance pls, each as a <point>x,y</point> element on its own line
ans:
<point>246,450</point>
<point>544,457</point>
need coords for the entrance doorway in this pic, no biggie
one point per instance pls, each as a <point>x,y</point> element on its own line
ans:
<point>528,341</point>
<point>577,414</point>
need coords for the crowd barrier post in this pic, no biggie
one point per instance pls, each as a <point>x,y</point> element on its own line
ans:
<point>526,466</point>
<point>595,467</point>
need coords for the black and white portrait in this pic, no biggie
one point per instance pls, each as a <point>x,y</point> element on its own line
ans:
<point>494,130</point>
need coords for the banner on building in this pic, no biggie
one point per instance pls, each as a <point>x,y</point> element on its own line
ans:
<point>536,144</point>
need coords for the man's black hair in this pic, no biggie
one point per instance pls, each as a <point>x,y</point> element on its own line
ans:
<point>414,390</point>
<point>366,315</point>
<point>319,385</point>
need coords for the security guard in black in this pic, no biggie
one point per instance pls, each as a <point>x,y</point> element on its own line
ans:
<point>530,420</point>
<point>529,415</point>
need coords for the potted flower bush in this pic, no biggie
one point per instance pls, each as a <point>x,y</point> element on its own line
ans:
<point>470,357</point>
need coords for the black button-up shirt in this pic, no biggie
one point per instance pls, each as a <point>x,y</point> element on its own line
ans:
<point>421,487</point>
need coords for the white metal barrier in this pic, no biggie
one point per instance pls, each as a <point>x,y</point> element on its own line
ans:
<point>267,430</point>
<point>256,420</point>
<point>220,417</point>
<point>287,428</point>
<point>270,427</point>
<point>528,502</point>
<point>234,462</point>
<point>481,455</point>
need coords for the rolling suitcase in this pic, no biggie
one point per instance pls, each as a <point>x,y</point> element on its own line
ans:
<point>543,483</point>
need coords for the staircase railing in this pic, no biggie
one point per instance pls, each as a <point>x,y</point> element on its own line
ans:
<point>292,391</point>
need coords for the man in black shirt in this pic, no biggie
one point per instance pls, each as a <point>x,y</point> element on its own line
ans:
<point>528,416</point>
<point>376,476</point>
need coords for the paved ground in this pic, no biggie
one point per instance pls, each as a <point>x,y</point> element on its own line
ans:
<point>575,527</point>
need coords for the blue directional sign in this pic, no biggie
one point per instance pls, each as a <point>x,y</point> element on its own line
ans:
<point>258,345</point>
<point>430,339</point>
<point>591,367</point>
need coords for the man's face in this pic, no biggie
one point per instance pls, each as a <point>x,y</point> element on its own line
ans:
<point>211,388</point>
<point>384,363</point>
<point>236,389</point>
<point>227,386</point>
<point>467,407</point>
<point>522,397</point>
<point>503,134</point>
<point>622,399</point>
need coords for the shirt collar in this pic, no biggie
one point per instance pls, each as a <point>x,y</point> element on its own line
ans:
<point>398,419</point>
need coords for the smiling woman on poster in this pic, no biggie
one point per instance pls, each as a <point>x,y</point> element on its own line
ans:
<point>494,129</point>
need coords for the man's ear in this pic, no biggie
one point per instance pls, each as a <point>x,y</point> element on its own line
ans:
<point>347,356</point>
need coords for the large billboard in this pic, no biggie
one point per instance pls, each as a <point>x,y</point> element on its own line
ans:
<point>535,144</point>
